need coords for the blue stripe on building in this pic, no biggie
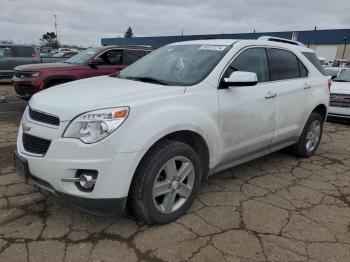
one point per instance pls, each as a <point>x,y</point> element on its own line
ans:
<point>319,37</point>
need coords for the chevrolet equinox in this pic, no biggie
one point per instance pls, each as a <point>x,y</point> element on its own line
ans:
<point>144,138</point>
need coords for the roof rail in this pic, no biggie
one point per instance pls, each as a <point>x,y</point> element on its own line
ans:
<point>280,40</point>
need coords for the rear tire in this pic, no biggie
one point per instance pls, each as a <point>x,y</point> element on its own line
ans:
<point>311,136</point>
<point>165,183</point>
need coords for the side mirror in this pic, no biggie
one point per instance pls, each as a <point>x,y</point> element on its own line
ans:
<point>95,62</point>
<point>240,78</point>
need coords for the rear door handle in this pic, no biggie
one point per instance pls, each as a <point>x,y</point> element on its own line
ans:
<point>270,94</point>
<point>307,86</point>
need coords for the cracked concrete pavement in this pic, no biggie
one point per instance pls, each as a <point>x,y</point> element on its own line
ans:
<point>276,208</point>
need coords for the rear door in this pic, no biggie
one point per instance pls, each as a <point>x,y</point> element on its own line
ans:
<point>291,85</point>
<point>132,55</point>
<point>24,55</point>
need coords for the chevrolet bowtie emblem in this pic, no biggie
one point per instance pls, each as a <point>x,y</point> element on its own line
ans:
<point>25,127</point>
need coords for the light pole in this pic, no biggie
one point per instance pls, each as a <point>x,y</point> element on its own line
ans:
<point>55,17</point>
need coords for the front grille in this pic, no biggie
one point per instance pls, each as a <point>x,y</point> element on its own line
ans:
<point>44,118</point>
<point>340,100</point>
<point>35,145</point>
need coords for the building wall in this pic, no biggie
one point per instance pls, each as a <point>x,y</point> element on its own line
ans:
<point>332,52</point>
<point>326,43</point>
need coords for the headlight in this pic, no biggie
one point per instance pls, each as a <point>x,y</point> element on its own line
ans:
<point>25,74</point>
<point>34,74</point>
<point>93,126</point>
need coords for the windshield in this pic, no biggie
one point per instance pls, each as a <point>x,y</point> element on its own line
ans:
<point>331,72</point>
<point>176,64</point>
<point>344,76</point>
<point>83,56</point>
<point>58,55</point>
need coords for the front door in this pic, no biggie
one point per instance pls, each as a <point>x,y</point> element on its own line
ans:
<point>110,62</point>
<point>247,113</point>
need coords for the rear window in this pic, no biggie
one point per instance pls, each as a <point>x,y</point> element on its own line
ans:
<point>315,61</point>
<point>23,51</point>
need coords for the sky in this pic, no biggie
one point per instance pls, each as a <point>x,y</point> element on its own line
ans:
<point>85,22</point>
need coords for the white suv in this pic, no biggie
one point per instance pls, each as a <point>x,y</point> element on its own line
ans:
<point>147,136</point>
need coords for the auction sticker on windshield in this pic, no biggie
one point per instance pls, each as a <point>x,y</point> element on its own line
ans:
<point>212,47</point>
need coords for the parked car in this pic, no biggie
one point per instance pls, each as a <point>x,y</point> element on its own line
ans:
<point>340,96</point>
<point>333,72</point>
<point>67,54</point>
<point>339,62</point>
<point>322,61</point>
<point>15,55</point>
<point>151,133</point>
<point>106,60</point>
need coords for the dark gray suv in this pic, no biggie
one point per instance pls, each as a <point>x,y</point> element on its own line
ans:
<point>14,55</point>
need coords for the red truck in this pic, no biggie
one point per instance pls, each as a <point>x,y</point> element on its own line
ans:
<point>106,60</point>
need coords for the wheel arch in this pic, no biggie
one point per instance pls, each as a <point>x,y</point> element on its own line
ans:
<point>322,110</point>
<point>189,137</point>
<point>54,79</point>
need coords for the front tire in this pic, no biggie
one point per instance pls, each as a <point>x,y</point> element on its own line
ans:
<point>166,182</point>
<point>310,137</point>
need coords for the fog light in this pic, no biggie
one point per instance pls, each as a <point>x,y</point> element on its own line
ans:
<point>87,180</point>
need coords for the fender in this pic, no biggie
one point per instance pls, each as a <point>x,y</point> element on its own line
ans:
<point>144,132</point>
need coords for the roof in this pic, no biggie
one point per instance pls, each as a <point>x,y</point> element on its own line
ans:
<point>227,42</point>
<point>17,45</point>
<point>331,36</point>
<point>143,47</point>
<point>208,42</point>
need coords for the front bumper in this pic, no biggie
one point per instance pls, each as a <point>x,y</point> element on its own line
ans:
<point>65,157</point>
<point>339,112</point>
<point>105,206</point>
<point>25,88</point>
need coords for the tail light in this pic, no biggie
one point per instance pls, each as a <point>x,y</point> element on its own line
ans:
<point>33,55</point>
<point>329,84</point>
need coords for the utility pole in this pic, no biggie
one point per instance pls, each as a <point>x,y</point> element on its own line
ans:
<point>55,17</point>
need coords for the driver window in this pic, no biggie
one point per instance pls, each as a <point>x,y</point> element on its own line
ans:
<point>112,57</point>
<point>251,60</point>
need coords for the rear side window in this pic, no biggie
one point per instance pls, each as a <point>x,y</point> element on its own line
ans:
<point>315,61</point>
<point>5,51</point>
<point>251,60</point>
<point>283,65</point>
<point>131,56</point>
<point>23,51</point>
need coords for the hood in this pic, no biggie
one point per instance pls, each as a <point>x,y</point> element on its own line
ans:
<point>73,98</point>
<point>32,67</point>
<point>340,87</point>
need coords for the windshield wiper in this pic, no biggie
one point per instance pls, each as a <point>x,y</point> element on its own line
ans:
<point>148,79</point>
<point>339,80</point>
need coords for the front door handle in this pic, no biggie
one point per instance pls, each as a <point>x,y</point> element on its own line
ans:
<point>270,94</point>
<point>307,86</point>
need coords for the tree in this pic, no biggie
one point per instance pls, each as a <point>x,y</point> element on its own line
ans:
<point>129,33</point>
<point>6,42</point>
<point>49,39</point>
